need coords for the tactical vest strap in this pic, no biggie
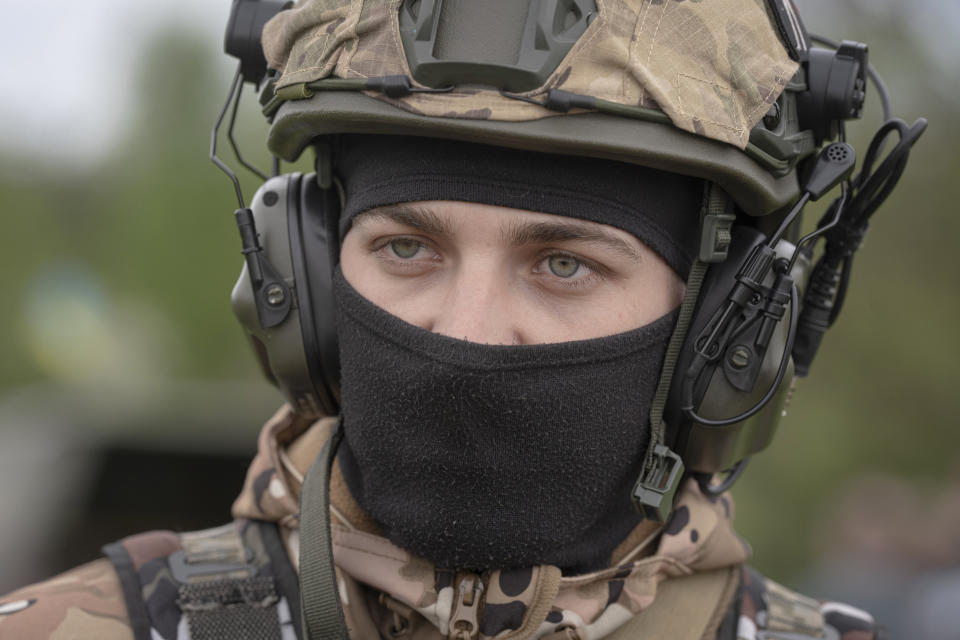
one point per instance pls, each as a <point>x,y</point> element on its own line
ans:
<point>211,554</point>
<point>137,612</point>
<point>229,582</point>
<point>220,594</point>
<point>231,608</point>
<point>323,617</point>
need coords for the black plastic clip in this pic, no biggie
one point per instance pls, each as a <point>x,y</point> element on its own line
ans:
<point>655,490</point>
<point>185,572</point>
<point>272,295</point>
<point>556,100</point>
<point>716,236</point>
<point>564,101</point>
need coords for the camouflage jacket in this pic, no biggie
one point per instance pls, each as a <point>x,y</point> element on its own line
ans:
<point>690,570</point>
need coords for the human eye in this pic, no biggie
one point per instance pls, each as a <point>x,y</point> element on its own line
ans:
<point>567,270</point>
<point>405,248</point>
<point>564,266</point>
<point>403,254</point>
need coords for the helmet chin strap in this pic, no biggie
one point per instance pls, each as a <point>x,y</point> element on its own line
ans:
<point>662,468</point>
<point>320,610</point>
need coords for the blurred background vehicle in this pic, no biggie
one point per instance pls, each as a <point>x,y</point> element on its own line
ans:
<point>129,400</point>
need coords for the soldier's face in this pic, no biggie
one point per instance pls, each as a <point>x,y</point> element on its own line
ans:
<point>497,275</point>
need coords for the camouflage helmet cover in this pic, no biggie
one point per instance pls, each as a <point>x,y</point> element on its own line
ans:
<point>713,67</point>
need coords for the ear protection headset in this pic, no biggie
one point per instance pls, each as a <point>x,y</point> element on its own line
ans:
<point>742,324</point>
<point>295,216</point>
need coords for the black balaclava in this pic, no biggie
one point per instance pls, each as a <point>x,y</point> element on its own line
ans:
<point>480,456</point>
<point>660,208</point>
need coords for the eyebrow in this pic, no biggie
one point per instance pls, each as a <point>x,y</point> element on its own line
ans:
<point>519,234</point>
<point>527,233</point>
<point>420,218</point>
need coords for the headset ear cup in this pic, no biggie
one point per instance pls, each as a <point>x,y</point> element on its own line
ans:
<point>279,349</point>
<point>711,449</point>
<point>314,248</point>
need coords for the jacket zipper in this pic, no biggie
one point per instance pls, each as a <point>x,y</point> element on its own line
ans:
<point>464,621</point>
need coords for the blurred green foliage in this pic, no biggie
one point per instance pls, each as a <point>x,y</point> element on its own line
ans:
<point>152,224</point>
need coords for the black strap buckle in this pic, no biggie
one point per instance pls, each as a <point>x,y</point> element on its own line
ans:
<point>654,492</point>
<point>184,571</point>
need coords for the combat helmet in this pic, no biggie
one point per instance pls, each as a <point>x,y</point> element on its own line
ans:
<point>728,91</point>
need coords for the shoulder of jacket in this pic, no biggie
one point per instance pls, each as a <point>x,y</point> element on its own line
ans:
<point>85,602</point>
<point>210,583</point>
<point>770,611</point>
<point>151,583</point>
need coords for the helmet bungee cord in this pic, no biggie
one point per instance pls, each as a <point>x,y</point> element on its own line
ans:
<point>759,297</point>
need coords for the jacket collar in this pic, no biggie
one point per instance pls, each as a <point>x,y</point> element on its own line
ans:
<point>507,604</point>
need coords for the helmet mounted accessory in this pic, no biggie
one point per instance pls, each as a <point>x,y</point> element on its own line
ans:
<point>737,350</point>
<point>716,445</point>
<point>280,320</point>
<point>845,222</point>
<point>244,29</point>
<point>511,44</point>
<point>837,84</point>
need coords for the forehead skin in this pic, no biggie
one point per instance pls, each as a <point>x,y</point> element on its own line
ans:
<point>484,273</point>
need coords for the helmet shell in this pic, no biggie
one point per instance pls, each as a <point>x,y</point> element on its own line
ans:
<point>679,86</point>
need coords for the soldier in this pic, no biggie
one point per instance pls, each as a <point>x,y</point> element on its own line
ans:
<point>539,303</point>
